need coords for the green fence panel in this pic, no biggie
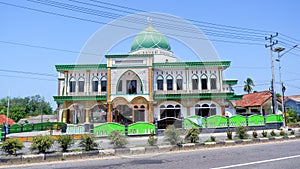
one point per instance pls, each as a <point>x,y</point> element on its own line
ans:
<point>256,120</point>
<point>236,121</point>
<point>15,128</point>
<point>216,122</point>
<point>42,126</point>
<point>189,123</point>
<point>27,127</point>
<point>273,118</point>
<point>107,128</point>
<point>140,128</point>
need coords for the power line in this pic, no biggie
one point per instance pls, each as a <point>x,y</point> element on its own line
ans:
<point>29,73</point>
<point>23,77</point>
<point>137,20</point>
<point>47,48</point>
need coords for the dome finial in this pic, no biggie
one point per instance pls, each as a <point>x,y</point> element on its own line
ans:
<point>149,20</point>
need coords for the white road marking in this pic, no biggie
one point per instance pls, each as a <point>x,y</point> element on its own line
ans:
<point>258,162</point>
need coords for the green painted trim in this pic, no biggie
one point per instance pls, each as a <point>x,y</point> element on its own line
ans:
<point>230,82</point>
<point>191,64</point>
<point>60,99</point>
<point>128,55</point>
<point>236,97</point>
<point>194,96</point>
<point>81,67</point>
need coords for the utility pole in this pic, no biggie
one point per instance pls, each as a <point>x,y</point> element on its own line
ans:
<point>270,45</point>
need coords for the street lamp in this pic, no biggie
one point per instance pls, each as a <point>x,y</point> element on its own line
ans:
<point>278,50</point>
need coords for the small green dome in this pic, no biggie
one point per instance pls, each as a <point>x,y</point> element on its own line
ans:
<point>150,38</point>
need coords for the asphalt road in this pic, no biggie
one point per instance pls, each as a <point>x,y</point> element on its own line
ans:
<point>282,155</point>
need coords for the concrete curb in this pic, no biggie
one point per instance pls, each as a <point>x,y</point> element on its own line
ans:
<point>37,158</point>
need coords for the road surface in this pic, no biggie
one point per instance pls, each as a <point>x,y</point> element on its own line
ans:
<point>282,155</point>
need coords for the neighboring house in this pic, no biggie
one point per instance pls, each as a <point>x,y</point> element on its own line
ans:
<point>256,103</point>
<point>37,119</point>
<point>148,83</point>
<point>293,102</point>
<point>3,119</point>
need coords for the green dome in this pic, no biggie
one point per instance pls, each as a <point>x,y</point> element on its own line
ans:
<point>150,38</point>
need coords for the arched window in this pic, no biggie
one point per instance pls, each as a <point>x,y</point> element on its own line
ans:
<point>72,85</point>
<point>81,84</point>
<point>179,82</point>
<point>160,82</point>
<point>213,82</point>
<point>170,111</point>
<point>195,82</point>
<point>169,83</point>
<point>204,82</point>
<point>213,109</point>
<point>120,86</point>
<point>95,83</point>
<point>103,84</point>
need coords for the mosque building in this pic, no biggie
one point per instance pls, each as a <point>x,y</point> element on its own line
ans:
<point>145,85</point>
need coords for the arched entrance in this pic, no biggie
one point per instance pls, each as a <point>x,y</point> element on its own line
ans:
<point>98,114</point>
<point>140,105</point>
<point>75,114</point>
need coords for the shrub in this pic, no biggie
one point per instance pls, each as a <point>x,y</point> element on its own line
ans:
<point>229,134</point>
<point>172,135</point>
<point>241,132</point>
<point>272,133</point>
<point>264,133</point>
<point>193,134</point>
<point>212,138</point>
<point>117,139</point>
<point>282,133</point>
<point>65,142</point>
<point>42,143</point>
<point>292,132</point>
<point>12,146</point>
<point>254,133</point>
<point>152,140</point>
<point>88,142</point>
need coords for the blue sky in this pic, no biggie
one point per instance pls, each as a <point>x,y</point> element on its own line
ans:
<point>27,27</point>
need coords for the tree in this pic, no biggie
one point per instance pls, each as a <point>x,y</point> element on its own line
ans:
<point>291,115</point>
<point>65,142</point>
<point>88,142</point>
<point>12,146</point>
<point>42,143</point>
<point>248,87</point>
<point>22,107</point>
<point>117,139</point>
<point>172,135</point>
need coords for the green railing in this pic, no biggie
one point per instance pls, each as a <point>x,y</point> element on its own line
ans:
<point>236,121</point>
<point>216,122</point>
<point>107,128</point>
<point>74,128</point>
<point>140,128</point>
<point>256,120</point>
<point>15,128</point>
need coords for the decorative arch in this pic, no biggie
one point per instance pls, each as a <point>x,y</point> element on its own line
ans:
<point>205,109</point>
<point>134,86</point>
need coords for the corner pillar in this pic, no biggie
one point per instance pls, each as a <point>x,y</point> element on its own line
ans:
<point>64,115</point>
<point>150,113</point>
<point>109,113</point>
<point>87,115</point>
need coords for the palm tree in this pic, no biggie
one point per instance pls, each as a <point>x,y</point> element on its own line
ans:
<point>248,85</point>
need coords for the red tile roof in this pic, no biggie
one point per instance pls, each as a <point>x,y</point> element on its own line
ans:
<point>3,119</point>
<point>254,99</point>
